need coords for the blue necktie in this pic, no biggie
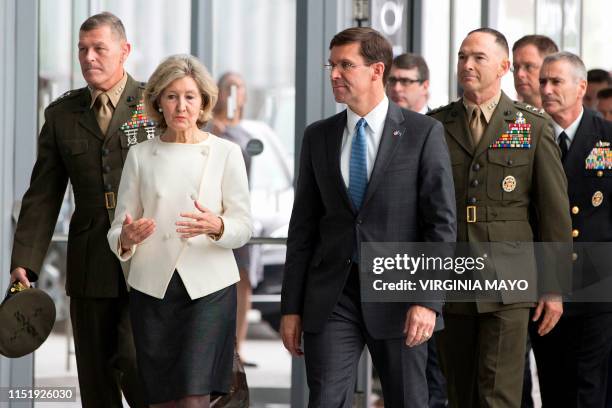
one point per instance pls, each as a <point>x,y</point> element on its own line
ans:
<point>358,174</point>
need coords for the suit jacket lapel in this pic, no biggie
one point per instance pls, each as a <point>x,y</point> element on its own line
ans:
<point>392,132</point>
<point>127,104</point>
<point>504,113</point>
<point>456,126</point>
<point>334,143</point>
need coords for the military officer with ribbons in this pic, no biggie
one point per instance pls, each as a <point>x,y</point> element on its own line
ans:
<point>573,362</point>
<point>507,173</point>
<point>85,140</point>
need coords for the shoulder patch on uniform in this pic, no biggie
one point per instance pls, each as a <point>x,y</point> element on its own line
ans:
<point>531,109</point>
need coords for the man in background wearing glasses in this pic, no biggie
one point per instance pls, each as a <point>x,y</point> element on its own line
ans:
<point>528,54</point>
<point>408,83</point>
<point>371,173</point>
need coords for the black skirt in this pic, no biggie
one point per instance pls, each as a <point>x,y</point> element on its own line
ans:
<point>184,347</point>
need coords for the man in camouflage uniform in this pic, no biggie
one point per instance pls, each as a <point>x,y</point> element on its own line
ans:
<point>85,140</point>
<point>503,193</point>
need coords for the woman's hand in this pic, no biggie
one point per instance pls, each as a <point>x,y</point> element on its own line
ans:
<point>202,222</point>
<point>134,232</point>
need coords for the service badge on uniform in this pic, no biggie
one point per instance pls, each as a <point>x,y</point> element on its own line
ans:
<point>138,119</point>
<point>518,135</point>
<point>509,184</point>
<point>597,199</point>
<point>600,157</point>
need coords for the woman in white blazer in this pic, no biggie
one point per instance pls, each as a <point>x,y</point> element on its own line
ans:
<point>183,205</point>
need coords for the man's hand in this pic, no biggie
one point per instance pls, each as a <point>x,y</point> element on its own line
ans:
<point>291,333</point>
<point>19,274</point>
<point>420,322</point>
<point>550,308</point>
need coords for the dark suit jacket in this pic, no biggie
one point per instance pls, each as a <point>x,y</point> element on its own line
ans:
<point>409,198</point>
<point>72,147</point>
<point>593,223</point>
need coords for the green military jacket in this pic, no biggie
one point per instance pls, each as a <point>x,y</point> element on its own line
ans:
<point>71,147</point>
<point>513,195</point>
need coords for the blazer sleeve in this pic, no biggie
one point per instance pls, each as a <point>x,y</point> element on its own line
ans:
<point>554,225</point>
<point>437,205</point>
<point>236,203</point>
<point>303,231</point>
<point>129,202</point>
<point>41,204</point>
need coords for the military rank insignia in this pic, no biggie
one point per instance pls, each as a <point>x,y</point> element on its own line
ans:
<point>518,135</point>
<point>600,157</point>
<point>139,119</point>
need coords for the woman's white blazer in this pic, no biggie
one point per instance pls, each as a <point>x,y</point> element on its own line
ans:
<point>204,265</point>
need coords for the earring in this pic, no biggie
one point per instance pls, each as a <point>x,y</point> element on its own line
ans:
<point>160,109</point>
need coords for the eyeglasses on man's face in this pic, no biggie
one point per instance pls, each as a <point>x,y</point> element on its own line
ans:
<point>531,68</point>
<point>344,66</point>
<point>404,81</point>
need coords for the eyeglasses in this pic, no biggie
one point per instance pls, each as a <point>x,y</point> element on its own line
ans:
<point>532,69</point>
<point>402,80</point>
<point>343,66</point>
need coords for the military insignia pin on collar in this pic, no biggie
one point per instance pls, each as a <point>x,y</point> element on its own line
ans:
<point>509,184</point>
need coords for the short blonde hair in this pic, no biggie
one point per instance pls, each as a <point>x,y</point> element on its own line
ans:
<point>177,67</point>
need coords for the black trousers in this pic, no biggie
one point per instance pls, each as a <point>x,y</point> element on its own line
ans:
<point>332,356</point>
<point>573,361</point>
<point>105,352</point>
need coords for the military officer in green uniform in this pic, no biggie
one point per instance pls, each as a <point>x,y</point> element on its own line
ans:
<point>504,181</point>
<point>85,140</point>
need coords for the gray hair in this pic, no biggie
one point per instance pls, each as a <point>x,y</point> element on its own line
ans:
<point>177,67</point>
<point>107,19</point>
<point>580,73</point>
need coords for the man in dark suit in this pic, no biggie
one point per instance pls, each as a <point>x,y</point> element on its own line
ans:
<point>573,363</point>
<point>85,140</point>
<point>372,173</point>
<point>507,172</point>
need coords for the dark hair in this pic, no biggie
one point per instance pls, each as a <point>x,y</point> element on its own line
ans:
<point>599,75</point>
<point>410,61</point>
<point>373,46</point>
<point>544,44</point>
<point>108,19</point>
<point>604,93</point>
<point>500,39</point>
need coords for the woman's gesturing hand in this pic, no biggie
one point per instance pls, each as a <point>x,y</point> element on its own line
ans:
<point>134,232</point>
<point>202,222</point>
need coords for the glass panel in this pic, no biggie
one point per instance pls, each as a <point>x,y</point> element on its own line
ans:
<point>571,26</point>
<point>436,32</point>
<point>550,19</point>
<point>467,17</point>
<point>514,22</point>
<point>155,28</point>
<point>596,44</point>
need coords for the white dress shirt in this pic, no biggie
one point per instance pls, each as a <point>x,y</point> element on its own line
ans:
<point>375,120</point>
<point>570,131</point>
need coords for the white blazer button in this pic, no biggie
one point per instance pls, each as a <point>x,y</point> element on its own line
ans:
<point>194,196</point>
<point>167,236</point>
